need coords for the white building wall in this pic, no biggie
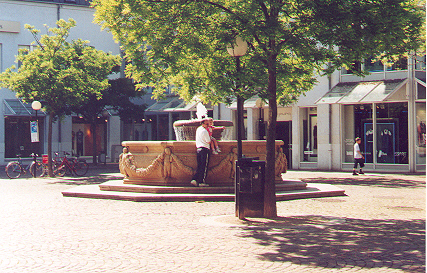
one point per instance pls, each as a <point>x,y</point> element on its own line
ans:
<point>324,148</point>
<point>336,136</point>
<point>39,14</point>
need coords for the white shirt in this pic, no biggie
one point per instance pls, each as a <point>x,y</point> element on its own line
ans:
<point>202,138</point>
<point>356,149</point>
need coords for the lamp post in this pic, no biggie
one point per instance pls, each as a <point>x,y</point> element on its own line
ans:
<point>105,115</point>
<point>238,49</point>
<point>36,105</point>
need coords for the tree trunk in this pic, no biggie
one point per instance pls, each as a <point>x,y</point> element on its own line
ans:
<point>49,146</point>
<point>270,209</point>
<point>94,148</point>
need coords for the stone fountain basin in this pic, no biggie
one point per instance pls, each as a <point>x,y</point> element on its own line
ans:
<point>173,163</point>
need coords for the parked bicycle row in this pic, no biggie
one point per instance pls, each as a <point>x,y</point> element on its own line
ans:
<point>61,166</point>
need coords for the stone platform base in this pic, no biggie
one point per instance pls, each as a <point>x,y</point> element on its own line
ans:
<point>117,190</point>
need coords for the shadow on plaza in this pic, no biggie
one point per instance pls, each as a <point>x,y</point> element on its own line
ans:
<point>372,180</point>
<point>338,242</point>
<point>96,175</point>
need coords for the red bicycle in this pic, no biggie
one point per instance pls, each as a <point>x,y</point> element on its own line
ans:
<point>70,165</point>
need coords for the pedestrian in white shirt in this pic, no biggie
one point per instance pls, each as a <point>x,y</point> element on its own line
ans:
<point>359,159</point>
<point>203,141</point>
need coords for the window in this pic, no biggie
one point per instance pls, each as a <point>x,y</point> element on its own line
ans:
<point>309,134</point>
<point>421,92</point>
<point>421,63</point>
<point>356,66</point>
<point>387,143</point>
<point>401,64</point>
<point>355,117</point>
<point>25,50</point>
<point>373,65</point>
<point>420,109</point>
<point>20,126</point>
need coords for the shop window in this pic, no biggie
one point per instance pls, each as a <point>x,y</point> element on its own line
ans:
<point>82,138</point>
<point>138,130</point>
<point>420,108</point>
<point>392,133</point>
<point>309,116</point>
<point>356,116</point>
<point>20,126</point>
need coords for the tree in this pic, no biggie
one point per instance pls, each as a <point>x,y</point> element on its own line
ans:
<point>118,97</point>
<point>183,42</point>
<point>59,74</point>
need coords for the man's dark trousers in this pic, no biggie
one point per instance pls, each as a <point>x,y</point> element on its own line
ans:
<point>202,165</point>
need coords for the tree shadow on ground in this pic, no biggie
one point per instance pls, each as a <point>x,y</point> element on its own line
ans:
<point>87,180</point>
<point>381,181</point>
<point>343,242</point>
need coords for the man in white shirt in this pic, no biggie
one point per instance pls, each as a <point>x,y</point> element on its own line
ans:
<point>358,157</point>
<point>203,141</point>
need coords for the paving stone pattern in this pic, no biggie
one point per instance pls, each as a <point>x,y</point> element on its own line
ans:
<point>378,227</point>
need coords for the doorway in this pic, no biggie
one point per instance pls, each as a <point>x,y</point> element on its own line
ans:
<point>284,133</point>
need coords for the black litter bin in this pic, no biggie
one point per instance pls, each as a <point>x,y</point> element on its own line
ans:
<point>250,179</point>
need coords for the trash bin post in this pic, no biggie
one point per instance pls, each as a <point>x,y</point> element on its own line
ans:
<point>249,188</point>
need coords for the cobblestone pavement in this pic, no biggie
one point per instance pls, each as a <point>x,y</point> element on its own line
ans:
<point>378,227</point>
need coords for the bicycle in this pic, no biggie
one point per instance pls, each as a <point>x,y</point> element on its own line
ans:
<point>71,165</point>
<point>15,169</point>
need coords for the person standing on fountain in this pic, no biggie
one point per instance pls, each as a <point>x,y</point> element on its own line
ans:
<point>203,141</point>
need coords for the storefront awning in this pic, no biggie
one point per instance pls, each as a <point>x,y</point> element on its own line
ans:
<point>175,104</point>
<point>15,107</point>
<point>365,92</point>
<point>183,107</point>
<point>161,105</point>
<point>254,102</point>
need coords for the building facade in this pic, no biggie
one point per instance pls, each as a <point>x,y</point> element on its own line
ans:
<point>71,134</point>
<point>387,109</point>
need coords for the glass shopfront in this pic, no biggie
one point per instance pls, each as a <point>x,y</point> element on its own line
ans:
<point>420,108</point>
<point>18,136</point>
<point>309,117</point>
<point>82,137</point>
<point>384,133</point>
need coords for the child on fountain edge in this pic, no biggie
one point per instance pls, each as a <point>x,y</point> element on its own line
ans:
<point>214,143</point>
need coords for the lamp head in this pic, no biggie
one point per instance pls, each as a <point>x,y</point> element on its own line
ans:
<point>36,105</point>
<point>237,48</point>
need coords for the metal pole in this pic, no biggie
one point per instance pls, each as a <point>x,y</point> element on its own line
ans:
<point>34,154</point>
<point>240,102</point>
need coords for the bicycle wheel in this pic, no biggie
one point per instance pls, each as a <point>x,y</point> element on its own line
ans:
<point>80,168</point>
<point>60,170</point>
<point>13,170</point>
<point>39,170</point>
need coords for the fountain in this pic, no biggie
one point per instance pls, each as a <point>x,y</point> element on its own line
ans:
<point>162,170</point>
<point>173,163</point>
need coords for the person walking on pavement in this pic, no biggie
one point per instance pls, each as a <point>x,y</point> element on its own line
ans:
<point>359,159</point>
<point>203,141</point>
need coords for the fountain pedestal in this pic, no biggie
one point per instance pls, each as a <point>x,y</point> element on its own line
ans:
<point>173,163</point>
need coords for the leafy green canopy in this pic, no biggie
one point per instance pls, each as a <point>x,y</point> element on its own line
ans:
<point>59,73</point>
<point>183,42</point>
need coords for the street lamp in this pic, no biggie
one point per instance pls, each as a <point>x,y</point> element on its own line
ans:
<point>36,105</point>
<point>105,115</point>
<point>237,49</point>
